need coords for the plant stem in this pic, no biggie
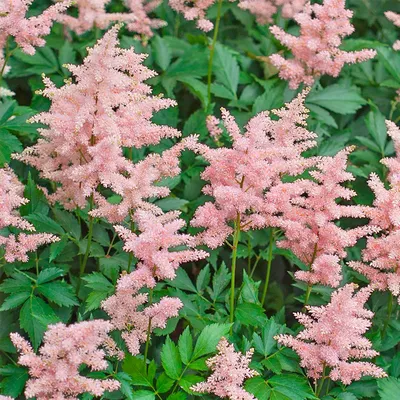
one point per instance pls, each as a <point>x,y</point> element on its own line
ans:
<point>389,314</point>
<point>271,243</point>
<point>212,51</point>
<point>321,383</point>
<point>89,242</point>
<point>309,287</point>
<point>308,292</point>
<point>146,351</point>
<point>236,236</point>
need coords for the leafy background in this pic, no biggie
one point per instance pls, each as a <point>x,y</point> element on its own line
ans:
<point>348,110</point>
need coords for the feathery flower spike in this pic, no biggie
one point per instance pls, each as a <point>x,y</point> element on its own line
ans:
<point>333,337</point>
<point>395,18</point>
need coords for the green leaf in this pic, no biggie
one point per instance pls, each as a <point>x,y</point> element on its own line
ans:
<point>49,274</point>
<point>258,387</point>
<point>182,281</point>
<point>13,380</point>
<point>338,98</point>
<point>389,388</point>
<point>134,367</point>
<point>69,222</point>
<point>375,122</point>
<point>209,338</point>
<point>266,343</point>
<point>188,381</point>
<point>161,52</point>
<point>14,300</point>
<point>37,201</point>
<point>9,144</point>
<point>56,248</point>
<point>59,292</point>
<point>171,360</point>
<point>226,68</point>
<point>144,395</point>
<point>185,345</point>
<point>18,283</point>
<point>250,314</point>
<point>164,383</point>
<point>203,279</point>
<point>35,316</point>
<point>42,223</point>
<point>294,387</point>
<point>220,281</point>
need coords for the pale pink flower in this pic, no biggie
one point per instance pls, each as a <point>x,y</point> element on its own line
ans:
<point>142,23</point>
<point>55,371</point>
<point>308,212</point>
<point>381,257</point>
<point>395,18</point>
<point>291,7</point>
<point>194,11</point>
<point>6,398</point>
<point>27,32</point>
<point>108,107</point>
<point>230,370</point>
<point>156,245</point>
<point>239,177</point>
<point>213,127</point>
<point>333,338</point>
<point>263,10</point>
<point>127,311</point>
<point>316,50</point>
<point>92,13</point>
<point>11,198</point>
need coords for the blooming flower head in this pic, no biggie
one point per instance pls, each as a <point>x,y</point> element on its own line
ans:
<point>239,177</point>
<point>142,23</point>
<point>263,10</point>
<point>230,370</point>
<point>308,212</point>
<point>106,108</point>
<point>11,198</point>
<point>333,337</point>
<point>92,13</point>
<point>316,50</point>
<point>381,256</point>
<point>55,371</point>
<point>395,18</point>
<point>194,10</point>
<point>155,245</point>
<point>27,32</point>
<point>129,314</point>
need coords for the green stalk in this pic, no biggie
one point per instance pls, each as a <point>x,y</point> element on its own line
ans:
<point>212,51</point>
<point>236,236</point>
<point>146,351</point>
<point>89,243</point>
<point>271,244</point>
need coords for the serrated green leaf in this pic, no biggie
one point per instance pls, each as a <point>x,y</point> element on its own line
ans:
<point>134,367</point>
<point>164,383</point>
<point>13,380</point>
<point>250,314</point>
<point>69,222</point>
<point>49,274</point>
<point>185,345</point>
<point>389,388</point>
<point>294,387</point>
<point>226,68</point>
<point>59,292</point>
<point>14,300</point>
<point>43,223</point>
<point>162,53</point>
<point>209,338</point>
<point>171,360</point>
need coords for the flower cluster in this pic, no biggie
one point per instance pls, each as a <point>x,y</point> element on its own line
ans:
<point>92,13</point>
<point>55,371</point>
<point>241,176</point>
<point>27,32</point>
<point>382,254</point>
<point>11,198</point>
<point>316,50</point>
<point>395,18</point>
<point>230,370</point>
<point>90,121</point>
<point>155,245</point>
<point>126,310</point>
<point>308,212</point>
<point>333,337</point>
<point>263,10</point>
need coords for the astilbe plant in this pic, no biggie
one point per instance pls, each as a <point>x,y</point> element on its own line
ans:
<point>91,14</point>
<point>239,177</point>
<point>127,311</point>
<point>230,370</point>
<point>332,342</point>
<point>316,50</point>
<point>27,32</point>
<point>381,257</point>
<point>157,245</point>
<point>309,210</point>
<point>17,246</point>
<point>395,18</point>
<point>55,371</point>
<point>89,122</point>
